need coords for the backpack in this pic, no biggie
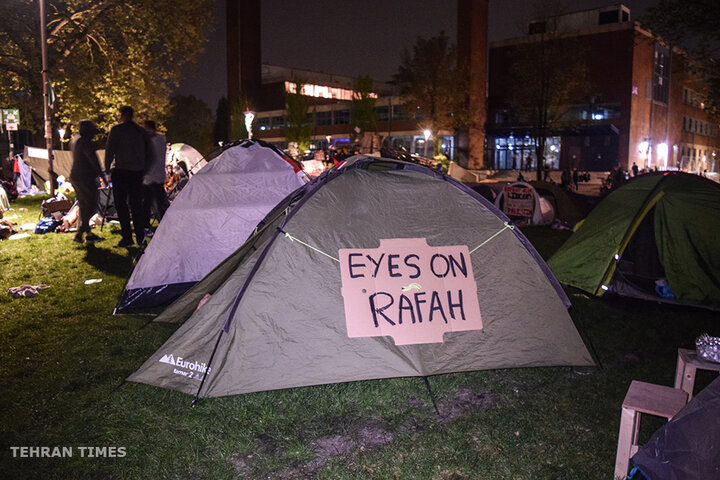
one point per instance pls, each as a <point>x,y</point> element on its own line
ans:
<point>45,225</point>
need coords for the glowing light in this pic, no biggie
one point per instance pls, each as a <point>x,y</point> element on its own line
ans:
<point>617,256</point>
<point>597,116</point>
<point>427,133</point>
<point>662,149</point>
<point>643,146</point>
<point>249,116</point>
<point>605,287</point>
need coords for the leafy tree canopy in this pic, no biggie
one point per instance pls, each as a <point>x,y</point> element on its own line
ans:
<point>101,54</point>
<point>433,85</point>
<point>362,112</point>
<point>190,121</point>
<point>693,26</point>
<point>299,123</point>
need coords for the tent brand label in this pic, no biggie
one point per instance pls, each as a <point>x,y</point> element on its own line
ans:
<point>186,368</point>
<point>518,201</point>
<point>409,290</point>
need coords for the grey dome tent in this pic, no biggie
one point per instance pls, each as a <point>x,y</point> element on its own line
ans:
<point>378,269</point>
<point>210,218</point>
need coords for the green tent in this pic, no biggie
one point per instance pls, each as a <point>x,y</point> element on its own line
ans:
<point>655,238</point>
<point>378,269</point>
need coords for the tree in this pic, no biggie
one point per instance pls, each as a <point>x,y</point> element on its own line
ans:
<point>362,111</point>
<point>190,121</point>
<point>432,85</point>
<point>693,26</point>
<point>222,117</point>
<point>299,123</point>
<point>101,54</point>
<point>544,84</point>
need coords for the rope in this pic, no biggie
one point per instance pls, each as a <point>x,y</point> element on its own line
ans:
<point>507,226</point>
<point>294,239</point>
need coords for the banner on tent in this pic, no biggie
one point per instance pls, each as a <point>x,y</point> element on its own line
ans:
<point>409,290</point>
<point>518,201</point>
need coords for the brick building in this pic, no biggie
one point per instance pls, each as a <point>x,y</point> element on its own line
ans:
<point>642,105</point>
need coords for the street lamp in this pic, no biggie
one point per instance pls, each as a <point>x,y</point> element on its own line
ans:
<point>427,134</point>
<point>61,132</point>
<point>249,116</point>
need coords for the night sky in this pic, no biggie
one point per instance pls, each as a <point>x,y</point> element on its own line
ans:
<point>356,37</point>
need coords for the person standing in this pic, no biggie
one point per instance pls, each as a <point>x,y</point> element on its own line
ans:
<point>84,176</point>
<point>126,157</point>
<point>154,180</point>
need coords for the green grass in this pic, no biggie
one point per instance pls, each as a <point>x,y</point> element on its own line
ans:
<point>63,359</point>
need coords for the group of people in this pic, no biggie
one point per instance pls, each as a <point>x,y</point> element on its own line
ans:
<point>134,167</point>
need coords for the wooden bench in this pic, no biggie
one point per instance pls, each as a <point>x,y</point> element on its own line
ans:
<point>688,363</point>
<point>648,398</point>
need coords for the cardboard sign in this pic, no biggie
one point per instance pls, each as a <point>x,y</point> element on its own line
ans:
<point>409,290</point>
<point>518,201</point>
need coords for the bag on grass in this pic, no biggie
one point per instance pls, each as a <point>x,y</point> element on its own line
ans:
<point>45,225</point>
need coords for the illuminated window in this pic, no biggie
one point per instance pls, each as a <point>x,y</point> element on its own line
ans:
<point>322,91</point>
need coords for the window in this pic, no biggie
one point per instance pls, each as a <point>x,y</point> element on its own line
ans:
<point>342,117</point>
<point>537,27</point>
<point>608,17</point>
<point>277,122</point>
<point>661,72</point>
<point>323,118</point>
<point>383,113</point>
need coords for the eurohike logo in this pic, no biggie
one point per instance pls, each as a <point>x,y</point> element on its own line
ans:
<point>186,368</point>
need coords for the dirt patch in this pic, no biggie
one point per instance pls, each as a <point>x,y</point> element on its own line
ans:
<point>463,401</point>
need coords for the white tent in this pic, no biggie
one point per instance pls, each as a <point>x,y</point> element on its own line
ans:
<point>521,202</point>
<point>211,217</point>
<point>182,152</point>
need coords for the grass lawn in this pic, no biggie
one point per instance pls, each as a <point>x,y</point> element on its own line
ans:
<point>64,357</point>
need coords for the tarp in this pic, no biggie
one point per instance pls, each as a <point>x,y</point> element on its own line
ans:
<point>379,269</point>
<point>520,201</point>
<point>37,159</point>
<point>658,228</point>
<point>688,446</point>
<point>209,219</point>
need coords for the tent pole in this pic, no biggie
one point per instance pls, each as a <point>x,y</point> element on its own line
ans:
<point>207,372</point>
<point>432,396</point>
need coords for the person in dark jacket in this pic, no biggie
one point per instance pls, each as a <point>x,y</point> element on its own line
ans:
<point>126,156</point>
<point>84,176</point>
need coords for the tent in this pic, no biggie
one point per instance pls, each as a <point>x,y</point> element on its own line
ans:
<point>520,201</point>
<point>687,447</point>
<point>654,238</point>
<point>182,152</point>
<point>378,269</point>
<point>210,218</point>
<point>562,203</point>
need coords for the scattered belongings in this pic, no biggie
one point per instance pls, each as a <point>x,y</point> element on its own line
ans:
<point>93,280</point>
<point>26,291</point>
<point>18,236</point>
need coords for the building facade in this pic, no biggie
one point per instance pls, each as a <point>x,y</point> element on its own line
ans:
<point>329,99</point>
<point>642,104</point>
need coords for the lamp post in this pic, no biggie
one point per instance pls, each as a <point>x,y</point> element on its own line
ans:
<point>46,106</point>
<point>61,133</point>
<point>249,116</point>
<point>427,134</point>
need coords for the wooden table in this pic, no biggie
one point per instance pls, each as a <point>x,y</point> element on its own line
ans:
<point>688,363</point>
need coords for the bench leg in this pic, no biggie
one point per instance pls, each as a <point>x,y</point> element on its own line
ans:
<point>627,437</point>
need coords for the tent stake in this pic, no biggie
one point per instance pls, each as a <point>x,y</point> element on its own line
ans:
<point>432,396</point>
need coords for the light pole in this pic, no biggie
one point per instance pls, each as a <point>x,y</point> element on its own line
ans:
<point>249,116</point>
<point>61,132</point>
<point>46,106</point>
<point>427,134</point>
